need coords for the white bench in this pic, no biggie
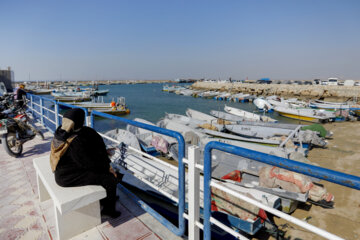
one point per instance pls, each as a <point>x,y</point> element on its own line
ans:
<point>77,209</point>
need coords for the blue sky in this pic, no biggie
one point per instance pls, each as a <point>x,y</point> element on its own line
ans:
<point>167,39</point>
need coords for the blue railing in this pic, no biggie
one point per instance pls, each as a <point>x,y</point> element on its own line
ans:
<point>310,170</point>
<point>48,111</point>
<point>179,231</point>
<point>50,117</point>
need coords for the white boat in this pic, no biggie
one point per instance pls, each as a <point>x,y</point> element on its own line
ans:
<point>200,116</point>
<point>306,114</point>
<point>193,123</point>
<point>241,97</point>
<point>263,105</point>
<point>227,116</point>
<point>208,94</point>
<point>159,178</point>
<point>71,96</point>
<point>248,115</point>
<point>334,105</point>
<point>42,91</point>
<point>289,103</point>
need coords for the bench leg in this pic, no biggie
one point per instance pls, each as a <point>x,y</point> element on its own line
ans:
<point>43,193</point>
<point>78,221</point>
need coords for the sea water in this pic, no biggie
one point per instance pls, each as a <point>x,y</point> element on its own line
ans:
<point>149,102</point>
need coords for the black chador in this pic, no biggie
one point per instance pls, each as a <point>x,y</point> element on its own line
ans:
<point>79,157</point>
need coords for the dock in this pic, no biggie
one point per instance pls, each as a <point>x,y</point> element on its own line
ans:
<point>22,216</point>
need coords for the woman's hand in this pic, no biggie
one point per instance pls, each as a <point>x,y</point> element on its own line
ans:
<point>110,151</point>
<point>113,171</point>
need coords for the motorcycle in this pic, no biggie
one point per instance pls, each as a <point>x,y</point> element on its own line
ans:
<point>17,130</point>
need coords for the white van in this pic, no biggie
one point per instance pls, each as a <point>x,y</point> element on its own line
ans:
<point>332,81</point>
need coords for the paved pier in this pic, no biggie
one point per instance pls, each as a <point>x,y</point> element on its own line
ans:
<point>23,217</point>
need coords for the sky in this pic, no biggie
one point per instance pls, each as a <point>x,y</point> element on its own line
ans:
<point>168,39</point>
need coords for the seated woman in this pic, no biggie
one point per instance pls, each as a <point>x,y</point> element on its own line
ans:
<point>79,157</point>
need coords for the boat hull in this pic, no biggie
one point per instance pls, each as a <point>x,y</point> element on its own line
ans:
<point>298,117</point>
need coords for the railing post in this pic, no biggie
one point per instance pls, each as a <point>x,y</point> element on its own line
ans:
<point>194,192</point>
<point>57,120</point>
<point>92,120</point>
<point>41,111</point>
<point>32,105</point>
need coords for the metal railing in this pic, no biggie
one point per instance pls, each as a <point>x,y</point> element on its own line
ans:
<point>306,169</point>
<point>179,231</point>
<point>50,113</point>
<point>40,110</point>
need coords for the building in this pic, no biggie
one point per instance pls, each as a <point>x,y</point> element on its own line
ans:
<point>7,77</point>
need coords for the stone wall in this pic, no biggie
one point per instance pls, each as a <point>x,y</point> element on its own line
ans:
<point>338,93</point>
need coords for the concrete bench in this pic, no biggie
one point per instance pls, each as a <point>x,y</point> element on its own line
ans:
<point>77,209</point>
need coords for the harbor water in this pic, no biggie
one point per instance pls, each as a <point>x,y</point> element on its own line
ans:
<point>148,101</point>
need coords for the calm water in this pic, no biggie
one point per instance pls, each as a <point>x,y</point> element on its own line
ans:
<point>149,102</point>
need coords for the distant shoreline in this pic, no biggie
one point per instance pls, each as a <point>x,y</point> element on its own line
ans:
<point>337,93</point>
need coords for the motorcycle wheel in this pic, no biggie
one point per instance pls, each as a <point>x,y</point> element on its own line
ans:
<point>9,142</point>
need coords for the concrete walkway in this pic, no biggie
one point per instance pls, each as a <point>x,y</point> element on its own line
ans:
<point>22,216</point>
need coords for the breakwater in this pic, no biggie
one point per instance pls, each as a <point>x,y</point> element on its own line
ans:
<point>338,93</point>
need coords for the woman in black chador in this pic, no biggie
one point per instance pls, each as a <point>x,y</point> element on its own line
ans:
<point>79,157</point>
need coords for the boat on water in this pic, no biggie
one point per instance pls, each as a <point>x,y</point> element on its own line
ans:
<point>241,97</point>
<point>71,96</point>
<point>248,115</point>
<point>174,88</point>
<point>41,91</point>
<point>208,94</point>
<point>263,105</point>
<point>114,108</point>
<point>306,114</point>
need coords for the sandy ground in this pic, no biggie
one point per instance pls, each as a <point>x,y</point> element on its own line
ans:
<point>342,154</point>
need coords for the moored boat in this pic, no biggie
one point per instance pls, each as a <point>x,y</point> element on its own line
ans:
<point>248,115</point>
<point>306,114</point>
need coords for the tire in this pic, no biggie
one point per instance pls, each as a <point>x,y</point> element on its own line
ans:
<point>8,141</point>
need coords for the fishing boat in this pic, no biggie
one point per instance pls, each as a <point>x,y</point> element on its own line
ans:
<point>200,116</point>
<point>163,178</point>
<point>174,88</point>
<point>306,114</point>
<point>334,105</point>
<point>241,97</point>
<point>41,91</point>
<point>102,92</point>
<point>248,115</point>
<point>208,94</point>
<point>194,123</point>
<point>222,96</point>
<point>71,96</point>
<point>227,116</point>
<point>113,108</point>
<point>263,105</point>
<point>289,103</point>
<point>264,133</point>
